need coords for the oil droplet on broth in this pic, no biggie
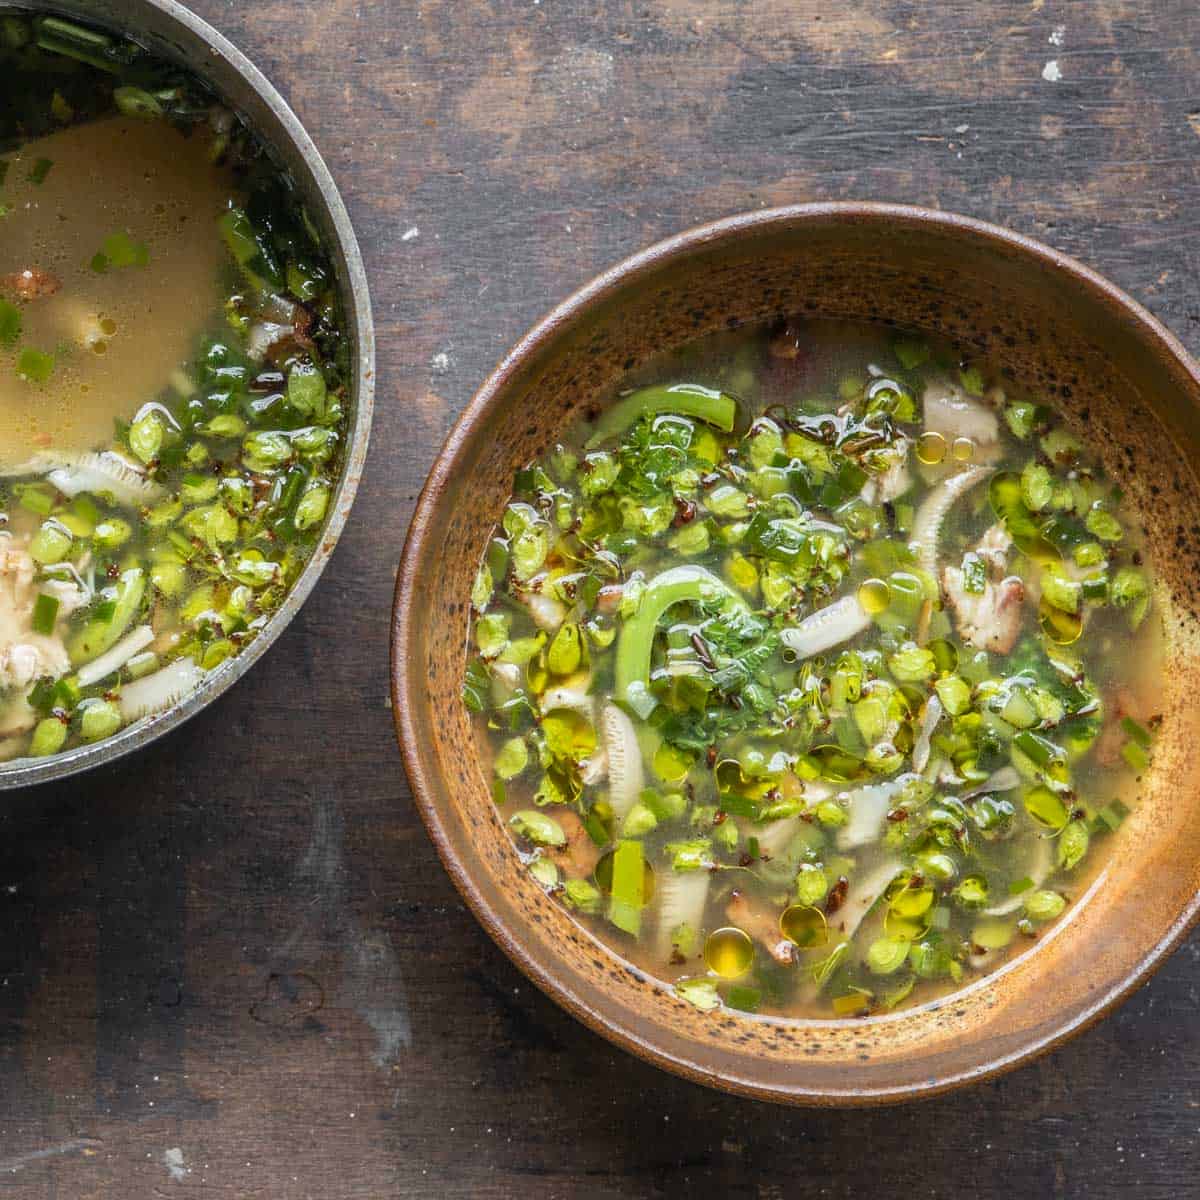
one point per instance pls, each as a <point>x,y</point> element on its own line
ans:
<point>729,952</point>
<point>963,449</point>
<point>1060,627</point>
<point>804,926</point>
<point>117,335</point>
<point>931,448</point>
<point>945,655</point>
<point>874,595</point>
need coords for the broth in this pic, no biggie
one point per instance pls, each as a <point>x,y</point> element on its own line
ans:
<point>172,373</point>
<point>120,332</point>
<point>816,675</point>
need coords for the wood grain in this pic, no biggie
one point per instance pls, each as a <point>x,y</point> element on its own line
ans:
<point>234,966</point>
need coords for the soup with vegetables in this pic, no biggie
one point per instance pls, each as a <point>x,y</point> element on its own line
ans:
<point>816,672</point>
<point>172,381</point>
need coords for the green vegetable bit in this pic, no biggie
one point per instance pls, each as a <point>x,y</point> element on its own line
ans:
<point>829,724</point>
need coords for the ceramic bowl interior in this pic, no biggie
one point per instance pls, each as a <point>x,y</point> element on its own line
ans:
<point>175,34</point>
<point>1121,380</point>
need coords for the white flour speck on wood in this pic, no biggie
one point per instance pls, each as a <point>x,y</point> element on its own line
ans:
<point>371,982</point>
<point>176,1167</point>
<point>1051,72</point>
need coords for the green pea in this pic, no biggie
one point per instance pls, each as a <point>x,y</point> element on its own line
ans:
<point>1073,845</point>
<point>224,425</point>
<point>254,571</point>
<point>512,758</point>
<point>237,493</point>
<point>887,955</point>
<point>264,450</point>
<point>315,442</point>
<point>582,894</point>
<point>164,514</point>
<point>565,654</point>
<point>639,821</point>
<point>198,489</point>
<point>935,865</point>
<point>1044,905</point>
<point>537,827</point>
<point>112,532</point>
<point>545,872</point>
<point>168,574</point>
<point>98,719</point>
<point>972,892</point>
<point>831,814</point>
<point>49,737</point>
<point>306,390</point>
<point>134,102</point>
<point>812,884</point>
<point>310,509</point>
<point>52,543</point>
<point>146,436</point>
<point>216,653</point>
<point>992,935</point>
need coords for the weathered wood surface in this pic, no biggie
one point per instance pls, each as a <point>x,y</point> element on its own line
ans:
<point>234,966</point>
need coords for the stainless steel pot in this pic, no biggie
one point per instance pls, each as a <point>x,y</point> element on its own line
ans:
<point>172,32</point>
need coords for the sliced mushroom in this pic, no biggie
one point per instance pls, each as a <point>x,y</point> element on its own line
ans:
<point>682,896</point>
<point>625,776</point>
<point>892,483</point>
<point>952,413</point>
<point>157,692</point>
<point>862,894</point>
<point>927,525</point>
<point>827,627</point>
<point>991,619</point>
<point>868,808</point>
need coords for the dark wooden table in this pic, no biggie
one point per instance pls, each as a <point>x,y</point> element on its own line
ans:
<point>235,966</point>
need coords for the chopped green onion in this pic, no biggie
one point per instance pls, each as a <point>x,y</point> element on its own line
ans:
<point>134,102</point>
<point>45,613</point>
<point>10,323</point>
<point>744,998</point>
<point>1139,733</point>
<point>628,880</point>
<point>1135,757</point>
<point>75,41</point>
<point>851,1004</point>
<point>36,499</point>
<point>688,399</point>
<point>1043,753</point>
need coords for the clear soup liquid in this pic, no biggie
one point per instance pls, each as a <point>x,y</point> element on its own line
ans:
<point>817,675</point>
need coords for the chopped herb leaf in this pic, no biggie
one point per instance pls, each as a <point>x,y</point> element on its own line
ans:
<point>34,366</point>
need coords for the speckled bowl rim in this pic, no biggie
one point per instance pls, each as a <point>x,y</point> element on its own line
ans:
<point>417,546</point>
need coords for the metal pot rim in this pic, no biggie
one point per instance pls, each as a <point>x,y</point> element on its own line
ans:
<point>188,31</point>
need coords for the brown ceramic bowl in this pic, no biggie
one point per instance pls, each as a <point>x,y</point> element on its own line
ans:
<point>1117,374</point>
